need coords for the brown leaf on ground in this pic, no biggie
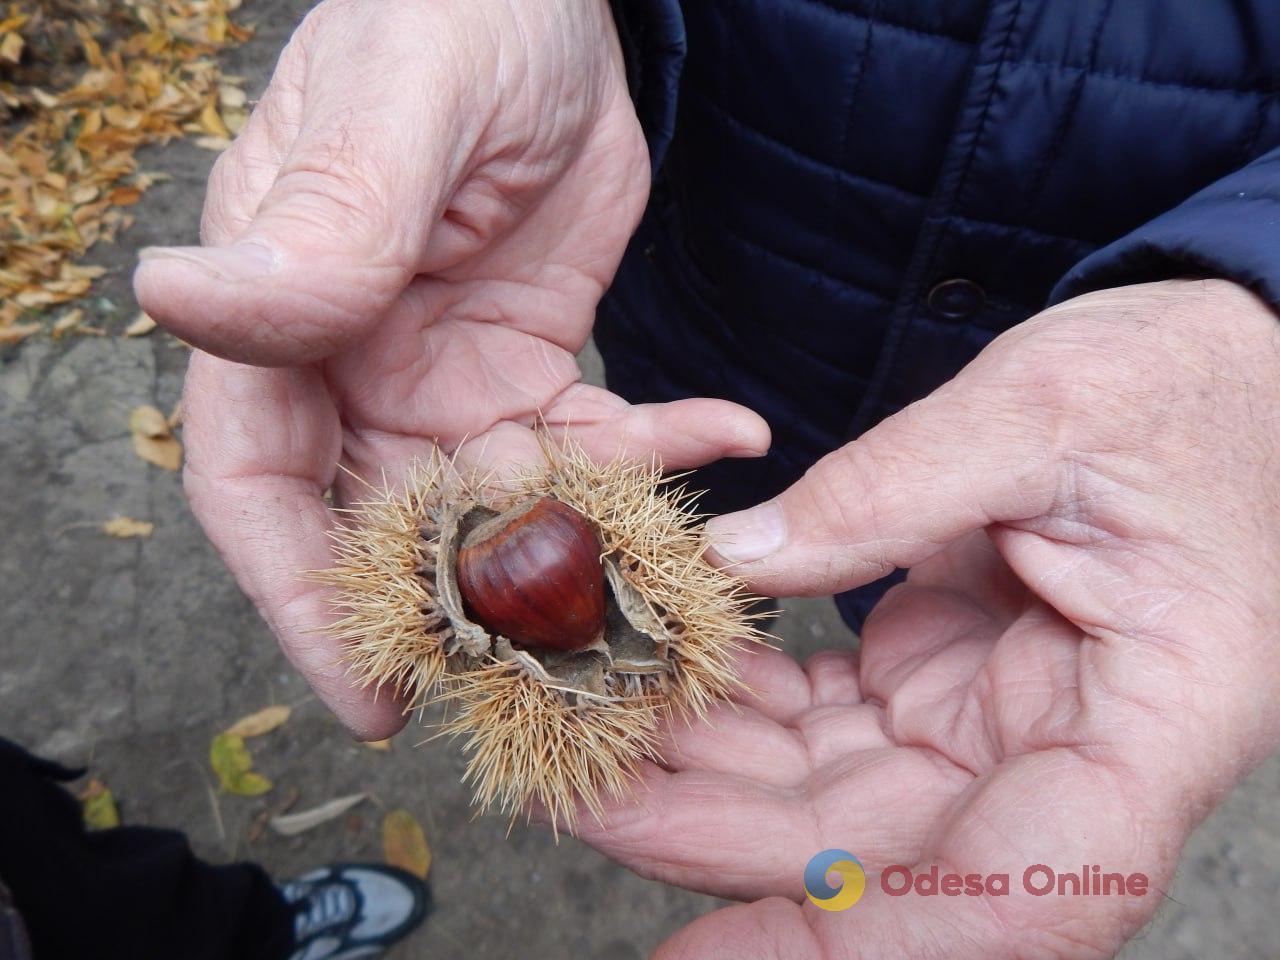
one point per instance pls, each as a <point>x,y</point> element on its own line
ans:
<point>263,721</point>
<point>259,825</point>
<point>216,144</point>
<point>67,323</point>
<point>11,47</point>
<point>126,528</point>
<point>18,332</point>
<point>153,438</point>
<point>148,422</point>
<point>99,806</point>
<point>404,844</point>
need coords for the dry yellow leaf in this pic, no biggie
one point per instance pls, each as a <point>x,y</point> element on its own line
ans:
<point>18,332</point>
<point>99,806</point>
<point>11,47</point>
<point>163,452</point>
<point>37,298</point>
<point>211,122</point>
<point>404,844</point>
<point>263,721</point>
<point>140,327</point>
<point>147,421</point>
<point>67,323</point>
<point>46,100</point>
<point>235,120</point>
<point>153,440</point>
<point>229,96</point>
<point>110,78</point>
<point>127,527</point>
<point>213,143</point>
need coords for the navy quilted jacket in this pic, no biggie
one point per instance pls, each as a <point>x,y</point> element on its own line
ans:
<point>853,197</point>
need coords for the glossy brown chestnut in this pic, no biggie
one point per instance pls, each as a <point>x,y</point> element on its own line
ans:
<point>533,575</point>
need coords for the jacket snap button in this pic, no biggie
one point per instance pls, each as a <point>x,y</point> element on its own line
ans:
<point>956,299</point>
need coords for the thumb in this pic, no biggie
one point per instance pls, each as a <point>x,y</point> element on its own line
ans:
<point>305,278</point>
<point>944,467</point>
<point>307,250</point>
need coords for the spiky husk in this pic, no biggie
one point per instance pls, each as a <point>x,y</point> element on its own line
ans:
<point>527,739</point>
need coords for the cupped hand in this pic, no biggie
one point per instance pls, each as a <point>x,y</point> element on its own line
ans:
<point>406,245</point>
<point>1082,661</point>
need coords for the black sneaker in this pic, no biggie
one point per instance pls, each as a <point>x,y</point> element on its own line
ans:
<point>353,910</point>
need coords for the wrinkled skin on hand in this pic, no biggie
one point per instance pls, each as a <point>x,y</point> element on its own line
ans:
<point>1081,663</point>
<point>407,244</point>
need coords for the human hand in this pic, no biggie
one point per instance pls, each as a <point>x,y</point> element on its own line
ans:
<point>1082,662</point>
<point>414,229</point>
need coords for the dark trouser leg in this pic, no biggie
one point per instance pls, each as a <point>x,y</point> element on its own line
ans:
<point>132,892</point>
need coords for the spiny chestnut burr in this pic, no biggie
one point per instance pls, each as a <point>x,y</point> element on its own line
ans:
<point>562,728</point>
<point>533,575</point>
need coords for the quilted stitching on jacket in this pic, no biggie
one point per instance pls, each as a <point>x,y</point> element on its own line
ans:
<point>834,159</point>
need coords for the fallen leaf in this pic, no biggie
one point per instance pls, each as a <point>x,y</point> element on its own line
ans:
<point>381,745</point>
<point>141,326</point>
<point>258,825</point>
<point>211,122</point>
<point>11,47</point>
<point>84,86</point>
<point>256,724</point>
<point>217,144</point>
<point>233,764</point>
<point>67,323</point>
<point>292,824</point>
<point>18,332</point>
<point>404,844</point>
<point>99,806</point>
<point>127,527</point>
<point>44,98</point>
<point>290,799</point>
<point>153,439</point>
<point>164,452</point>
<point>148,422</point>
<point>229,96</point>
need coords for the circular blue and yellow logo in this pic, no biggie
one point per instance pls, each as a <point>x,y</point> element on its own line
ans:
<point>853,880</point>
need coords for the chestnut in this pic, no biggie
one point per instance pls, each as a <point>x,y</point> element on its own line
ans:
<point>533,574</point>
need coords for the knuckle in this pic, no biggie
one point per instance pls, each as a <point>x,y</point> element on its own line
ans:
<point>330,195</point>
<point>835,490</point>
<point>218,218</point>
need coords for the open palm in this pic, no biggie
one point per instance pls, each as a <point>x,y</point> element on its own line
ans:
<point>1082,661</point>
<point>419,268</point>
<point>972,732</point>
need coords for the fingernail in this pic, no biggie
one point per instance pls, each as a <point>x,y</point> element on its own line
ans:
<point>750,535</point>
<point>746,450</point>
<point>240,261</point>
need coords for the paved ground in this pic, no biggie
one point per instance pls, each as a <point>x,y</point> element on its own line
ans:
<point>128,655</point>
